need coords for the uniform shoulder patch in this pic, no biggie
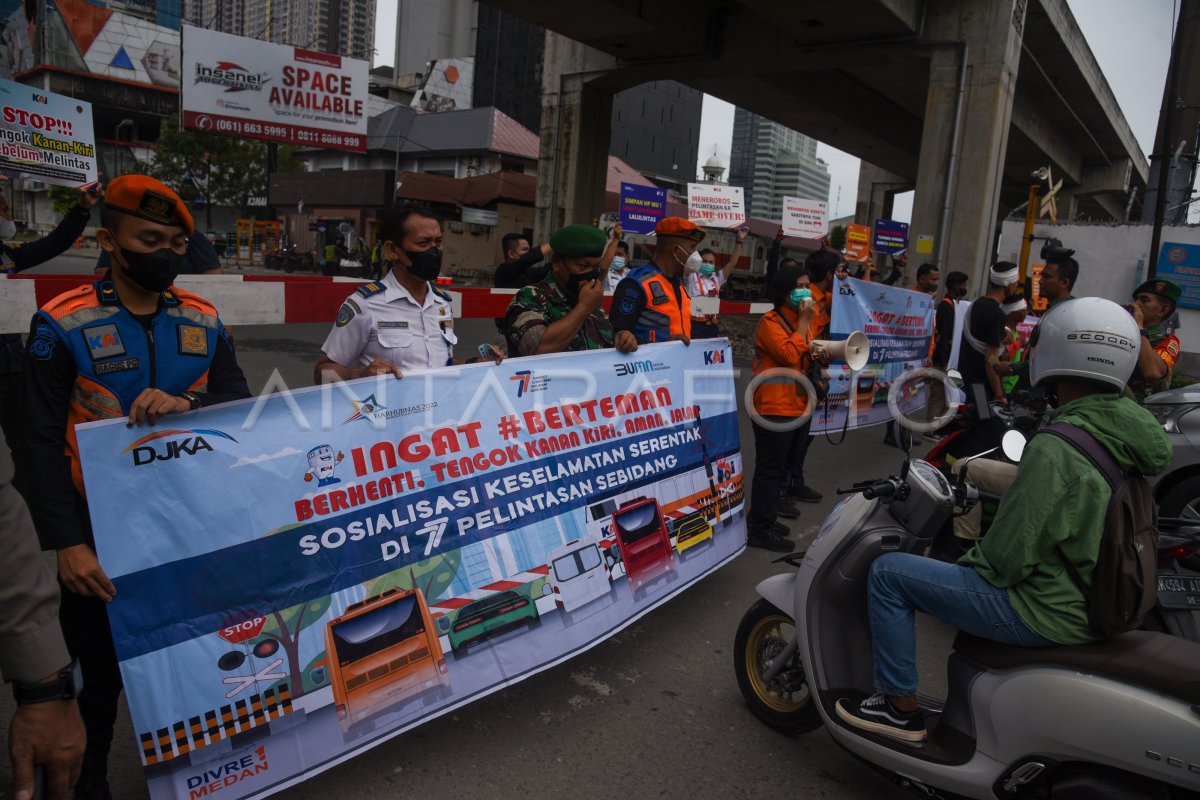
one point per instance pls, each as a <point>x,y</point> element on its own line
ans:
<point>345,314</point>
<point>369,289</point>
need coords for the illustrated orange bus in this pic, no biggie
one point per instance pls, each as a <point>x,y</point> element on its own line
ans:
<point>383,652</point>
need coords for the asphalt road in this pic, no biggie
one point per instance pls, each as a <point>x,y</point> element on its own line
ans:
<point>654,711</point>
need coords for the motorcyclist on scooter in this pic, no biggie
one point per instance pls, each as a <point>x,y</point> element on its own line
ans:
<point>1013,586</point>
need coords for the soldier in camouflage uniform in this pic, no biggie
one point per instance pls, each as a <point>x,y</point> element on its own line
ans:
<point>1153,302</point>
<point>563,313</point>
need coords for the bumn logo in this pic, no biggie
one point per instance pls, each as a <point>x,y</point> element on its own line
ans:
<point>633,367</point>
<point>714,357</point>
<point>179,443</point>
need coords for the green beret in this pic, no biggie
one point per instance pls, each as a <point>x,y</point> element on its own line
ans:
<point>1164,289</point>
<point>576,241</point>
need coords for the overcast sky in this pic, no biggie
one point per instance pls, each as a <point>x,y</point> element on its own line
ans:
<point>1131,42</point>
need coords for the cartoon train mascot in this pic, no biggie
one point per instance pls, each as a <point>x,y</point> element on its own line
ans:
<point>321,464</point>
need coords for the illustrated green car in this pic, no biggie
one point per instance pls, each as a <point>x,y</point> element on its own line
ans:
<point>491,616</point>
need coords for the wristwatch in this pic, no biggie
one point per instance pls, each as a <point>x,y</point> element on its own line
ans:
<point>192,398</point>
<point>67,685</point>
<point>1145,333</point>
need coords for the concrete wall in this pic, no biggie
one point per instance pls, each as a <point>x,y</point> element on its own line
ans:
<point>474,250</point>
<point>1111,262</point>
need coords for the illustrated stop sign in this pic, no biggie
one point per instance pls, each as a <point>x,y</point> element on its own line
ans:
<point>241,631</point>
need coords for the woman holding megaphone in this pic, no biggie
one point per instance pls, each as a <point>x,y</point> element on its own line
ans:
<point>782,402</point>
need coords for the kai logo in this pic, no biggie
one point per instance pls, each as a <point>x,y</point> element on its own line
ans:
<point>229,773</point>
<point>41,98</point>
<point>714,357</point>
<point>170,445</point>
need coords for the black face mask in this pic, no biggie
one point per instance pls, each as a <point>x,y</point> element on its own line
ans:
<point>426,264</point>
<point>154,271</point>
<point>576,280</point>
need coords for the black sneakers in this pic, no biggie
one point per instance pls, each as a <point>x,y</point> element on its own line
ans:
<point>787,509</point>
<point>779,529</point>
<point>769,540</point>
<point>877,715</point>
<point>804,494</point>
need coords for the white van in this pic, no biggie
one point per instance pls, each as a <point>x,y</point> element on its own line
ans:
<point>578,574</point>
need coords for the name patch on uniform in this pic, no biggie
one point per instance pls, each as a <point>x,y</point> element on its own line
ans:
<point>109,367</point>
<point>657,295</point>
<point>400,324</point>
<point>193,340</point>
<point>103,341</point>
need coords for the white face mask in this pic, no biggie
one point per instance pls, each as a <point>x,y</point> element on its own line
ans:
<point>618,263</point>
<point>8,228</point>
<point>694,262</point>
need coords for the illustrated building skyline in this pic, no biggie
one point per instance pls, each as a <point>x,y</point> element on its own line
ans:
<point>770,161</point>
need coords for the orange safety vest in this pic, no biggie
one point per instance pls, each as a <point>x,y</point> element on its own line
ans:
<point>662,317</point>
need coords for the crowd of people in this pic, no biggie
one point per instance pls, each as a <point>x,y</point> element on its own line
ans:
<point>132,344</point>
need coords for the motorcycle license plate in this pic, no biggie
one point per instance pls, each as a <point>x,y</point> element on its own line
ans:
<point>1179,591</point>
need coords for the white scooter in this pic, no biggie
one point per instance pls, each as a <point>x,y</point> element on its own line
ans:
<point>1117,719</point>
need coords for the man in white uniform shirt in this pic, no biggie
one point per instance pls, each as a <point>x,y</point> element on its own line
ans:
<point>402,322</point>
<point>708,282</point>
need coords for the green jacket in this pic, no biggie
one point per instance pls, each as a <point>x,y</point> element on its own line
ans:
<point>1057,506</point>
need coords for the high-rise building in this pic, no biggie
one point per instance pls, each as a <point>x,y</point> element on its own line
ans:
<point>345,27</point>
<point>656,130</point>
<point>770,161</point>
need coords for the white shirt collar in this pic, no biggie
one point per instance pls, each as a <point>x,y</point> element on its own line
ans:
<point>395,291</point>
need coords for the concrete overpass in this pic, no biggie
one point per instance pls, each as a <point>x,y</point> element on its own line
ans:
<point>958,99</point>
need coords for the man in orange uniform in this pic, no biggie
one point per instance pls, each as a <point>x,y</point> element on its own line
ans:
<point>651,304</point>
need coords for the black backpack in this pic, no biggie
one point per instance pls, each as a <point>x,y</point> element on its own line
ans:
<point>1125,580</point>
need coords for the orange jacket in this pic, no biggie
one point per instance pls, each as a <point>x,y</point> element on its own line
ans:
<point>778,343</point>
<point>819,327</point>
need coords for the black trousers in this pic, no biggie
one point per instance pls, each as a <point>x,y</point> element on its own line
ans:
<point>797,452</point>
<point>771,450</point>
<point>89,638</point>
<point>705,330</point>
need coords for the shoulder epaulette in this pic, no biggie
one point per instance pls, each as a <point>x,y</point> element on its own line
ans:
<point>177,296</point>
<point>372,288</point>
<point>72,301</point>
<point>440,292</point>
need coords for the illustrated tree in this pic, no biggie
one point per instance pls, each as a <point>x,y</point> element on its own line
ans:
<point>286,626</point>
<point>432,576</point>
<point>221,170</point>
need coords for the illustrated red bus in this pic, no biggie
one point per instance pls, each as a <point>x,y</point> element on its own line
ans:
<point>382,652</point>
<point>643,541</point>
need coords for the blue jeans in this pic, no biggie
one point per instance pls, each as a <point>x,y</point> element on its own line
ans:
<point>902,583</point>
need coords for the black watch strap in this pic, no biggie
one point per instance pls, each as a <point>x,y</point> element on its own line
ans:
<point>192,398</point>
<point>67,685</point>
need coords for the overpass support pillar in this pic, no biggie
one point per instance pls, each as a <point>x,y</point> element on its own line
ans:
<point>576,121</point>
<point>877,190</point>
<point>967,114</point>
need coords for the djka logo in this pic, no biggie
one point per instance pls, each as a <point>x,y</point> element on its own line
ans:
<point>714,357</point>
<point>233,77</point>
<point>149,449</point>
<point>227,773</point>
<point>523,378</point>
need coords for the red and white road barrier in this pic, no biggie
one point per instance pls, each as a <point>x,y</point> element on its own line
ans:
<point>264,299</point>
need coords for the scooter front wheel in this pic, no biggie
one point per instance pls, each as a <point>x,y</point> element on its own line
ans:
<point>785,702</point>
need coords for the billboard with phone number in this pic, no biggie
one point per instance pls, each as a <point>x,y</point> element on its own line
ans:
<point>387,550</point>
<point>235,86</point>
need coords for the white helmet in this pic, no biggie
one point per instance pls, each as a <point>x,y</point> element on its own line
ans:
<point>1088,337</point>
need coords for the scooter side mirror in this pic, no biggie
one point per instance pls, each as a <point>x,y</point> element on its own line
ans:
<point>1013,445</point>
<point>956,379</point>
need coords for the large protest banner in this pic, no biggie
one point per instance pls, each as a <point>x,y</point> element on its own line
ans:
<point>716,205</point>
<point>304,576</point>
<point>46,137</point>
<point>236,86</point>
<point>899,324</point>
<point>641,207</point>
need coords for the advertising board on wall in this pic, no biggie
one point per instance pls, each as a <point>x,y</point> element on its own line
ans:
<point>236,86</point>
